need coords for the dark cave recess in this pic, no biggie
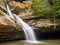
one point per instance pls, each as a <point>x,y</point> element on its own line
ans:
<point>20,0</point>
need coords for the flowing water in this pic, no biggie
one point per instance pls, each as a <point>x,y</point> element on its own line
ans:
<point>29,33</point>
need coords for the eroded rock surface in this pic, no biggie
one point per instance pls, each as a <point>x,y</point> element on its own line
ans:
<point>8,27</point>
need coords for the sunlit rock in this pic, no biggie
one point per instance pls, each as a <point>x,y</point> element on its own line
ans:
<point>5,20</point>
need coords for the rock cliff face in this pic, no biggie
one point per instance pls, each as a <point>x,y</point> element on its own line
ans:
<point>8,27</point>
<point>10,30</point>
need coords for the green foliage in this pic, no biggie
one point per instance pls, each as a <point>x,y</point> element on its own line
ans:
<point>57,6</point>
<point>41,8</point>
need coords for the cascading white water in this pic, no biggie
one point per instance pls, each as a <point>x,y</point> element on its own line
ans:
<point>29,33</point>
<point>26,28</point>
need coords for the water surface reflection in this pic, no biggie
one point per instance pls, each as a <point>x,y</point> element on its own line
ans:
<point>46,42</point>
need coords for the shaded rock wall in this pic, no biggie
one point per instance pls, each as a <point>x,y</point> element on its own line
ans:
<point>49,33</point>
<point>8,36</point>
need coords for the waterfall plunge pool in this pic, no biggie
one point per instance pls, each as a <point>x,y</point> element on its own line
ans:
<point>22,42</point>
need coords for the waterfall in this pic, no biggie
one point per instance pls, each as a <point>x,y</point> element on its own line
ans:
<point>29,33</point>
